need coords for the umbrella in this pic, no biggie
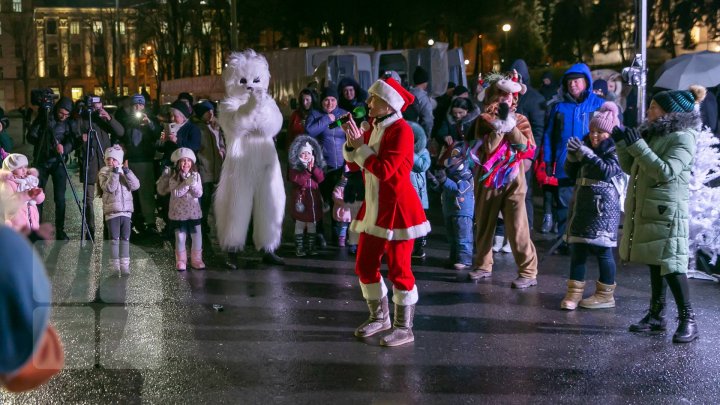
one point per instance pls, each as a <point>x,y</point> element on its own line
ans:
<point>701,68</point>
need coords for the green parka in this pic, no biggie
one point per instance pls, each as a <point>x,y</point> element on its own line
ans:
<point>655,229</point>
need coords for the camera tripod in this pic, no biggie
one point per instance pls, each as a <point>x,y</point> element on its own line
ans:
<point>44,127</point>
<point>91,136</point>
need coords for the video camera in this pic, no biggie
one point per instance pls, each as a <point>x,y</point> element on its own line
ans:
<point>634,75</point>
<point>43,98</point>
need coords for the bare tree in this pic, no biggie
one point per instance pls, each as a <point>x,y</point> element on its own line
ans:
<point>22,29</point>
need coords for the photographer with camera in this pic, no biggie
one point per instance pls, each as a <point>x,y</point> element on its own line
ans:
<point>141,134</point>
<point>98,128</point>
<point>53,134</point>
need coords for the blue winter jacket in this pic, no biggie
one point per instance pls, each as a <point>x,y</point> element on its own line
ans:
<point>568,118</point>
<point>331,140</point>
<point>458,198</point>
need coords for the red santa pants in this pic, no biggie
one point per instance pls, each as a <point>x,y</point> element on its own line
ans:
<point>399,256</point>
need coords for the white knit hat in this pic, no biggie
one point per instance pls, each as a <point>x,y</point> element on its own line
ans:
<point>115,152</point>
<point>182,153</point>
<point>14,161</point>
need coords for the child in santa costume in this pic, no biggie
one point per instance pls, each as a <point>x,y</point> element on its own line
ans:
<point>391,216</point>
<point>503,145</point>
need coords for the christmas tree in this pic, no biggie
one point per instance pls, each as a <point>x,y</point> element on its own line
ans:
<point>705,200</point>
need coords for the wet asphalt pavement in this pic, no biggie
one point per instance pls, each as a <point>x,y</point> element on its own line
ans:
<point>285,334</point>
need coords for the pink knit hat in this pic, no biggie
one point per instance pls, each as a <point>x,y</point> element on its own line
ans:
<point>606,118</point>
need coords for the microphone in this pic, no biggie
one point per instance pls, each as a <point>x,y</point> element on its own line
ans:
<point>357,113</point>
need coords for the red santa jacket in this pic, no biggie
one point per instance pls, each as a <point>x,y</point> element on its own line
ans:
<point>392,209</point>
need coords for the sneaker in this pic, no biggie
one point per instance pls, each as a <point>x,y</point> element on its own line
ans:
<point>522,282</point>
<point>506,247</point>
<point>479,273</point>
<point>497,243</point>
<point>461,266</point>
<point>418,253</point>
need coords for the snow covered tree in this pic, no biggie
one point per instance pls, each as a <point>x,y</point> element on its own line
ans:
<point>705,200</point>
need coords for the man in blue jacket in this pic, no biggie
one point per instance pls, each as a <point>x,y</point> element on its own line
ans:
<point>569,116</point>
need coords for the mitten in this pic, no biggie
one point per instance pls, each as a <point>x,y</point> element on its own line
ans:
<point>585,152</point>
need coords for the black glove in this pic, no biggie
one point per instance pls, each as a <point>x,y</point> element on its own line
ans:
<point>503,111</point>
<point>632,135</point>
<point>617,134</point>
<point>574,144</point>
<point>441,176</point>
<point>549,169</point>
<point>125,169</point>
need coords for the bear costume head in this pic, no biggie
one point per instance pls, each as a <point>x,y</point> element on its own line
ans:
<point>246,72</point>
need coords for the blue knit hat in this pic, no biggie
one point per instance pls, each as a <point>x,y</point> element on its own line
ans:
<point>680,100</point>
<point>138,99</point>
<point>24,300</point>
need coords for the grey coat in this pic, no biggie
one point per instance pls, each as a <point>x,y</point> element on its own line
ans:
<point>116,191</point>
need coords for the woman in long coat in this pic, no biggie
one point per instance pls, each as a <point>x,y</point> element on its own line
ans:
<point>658,156</point>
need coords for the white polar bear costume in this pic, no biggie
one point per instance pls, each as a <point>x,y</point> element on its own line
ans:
<point>251,182</point>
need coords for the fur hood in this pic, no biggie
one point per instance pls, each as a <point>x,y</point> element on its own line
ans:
<point>672,122</point>
<point>419,135</point>
<point>294,153</point>
<point>468,119</point>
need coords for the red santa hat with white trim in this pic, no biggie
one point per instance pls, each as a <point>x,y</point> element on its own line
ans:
<point>392,93</point>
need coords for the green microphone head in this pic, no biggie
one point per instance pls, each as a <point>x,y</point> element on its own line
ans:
<point>359,112</point>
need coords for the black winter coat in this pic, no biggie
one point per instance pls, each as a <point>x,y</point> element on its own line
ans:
<point>595,211</point>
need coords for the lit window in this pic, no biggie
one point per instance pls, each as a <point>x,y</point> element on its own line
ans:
<point>74,27</point>
<point>76,93</point>
<point>98,91</point>
<point>122,28</point>
<point>207,27</point>
<point>17,6</point>
<point>97,27</point>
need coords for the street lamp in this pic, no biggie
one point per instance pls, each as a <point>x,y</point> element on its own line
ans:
<point>506,28</point>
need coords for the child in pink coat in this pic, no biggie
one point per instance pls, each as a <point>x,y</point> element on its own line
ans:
<point>19,187</point>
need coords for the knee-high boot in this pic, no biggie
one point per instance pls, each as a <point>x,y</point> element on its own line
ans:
<point>654,320</point>
<point>402,327</point>
<point>687,329</point>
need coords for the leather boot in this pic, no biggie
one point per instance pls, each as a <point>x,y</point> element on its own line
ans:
<point>300,245</point>
<point>180,260</point>
<point>196,261</point>
<point>573,295</point>
<point>311,240</point>
<point>402,327</point>
<point>687,329</point>
<point>125,265</point>
<point>603,297</point>
<point>547,223</point>
<point>654,320</point>
<point>379,318</point>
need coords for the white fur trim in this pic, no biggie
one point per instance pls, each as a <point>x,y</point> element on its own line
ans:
<point>387,93</point>
<point>374,291</point>
<point>505,126</point>
<point>349,155</point>
<point>362,153</point>
<point>405,298</point>
<point>413,232</point>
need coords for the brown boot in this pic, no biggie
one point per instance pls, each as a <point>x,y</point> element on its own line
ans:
<point>180,260</point>
<point>379,318</point>
<point>573,295</point>
<point>402,327</point>
<point>603,297</point>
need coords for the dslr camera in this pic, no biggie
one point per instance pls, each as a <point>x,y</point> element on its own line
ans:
<point>634,75</point>
<point>43,98</point>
